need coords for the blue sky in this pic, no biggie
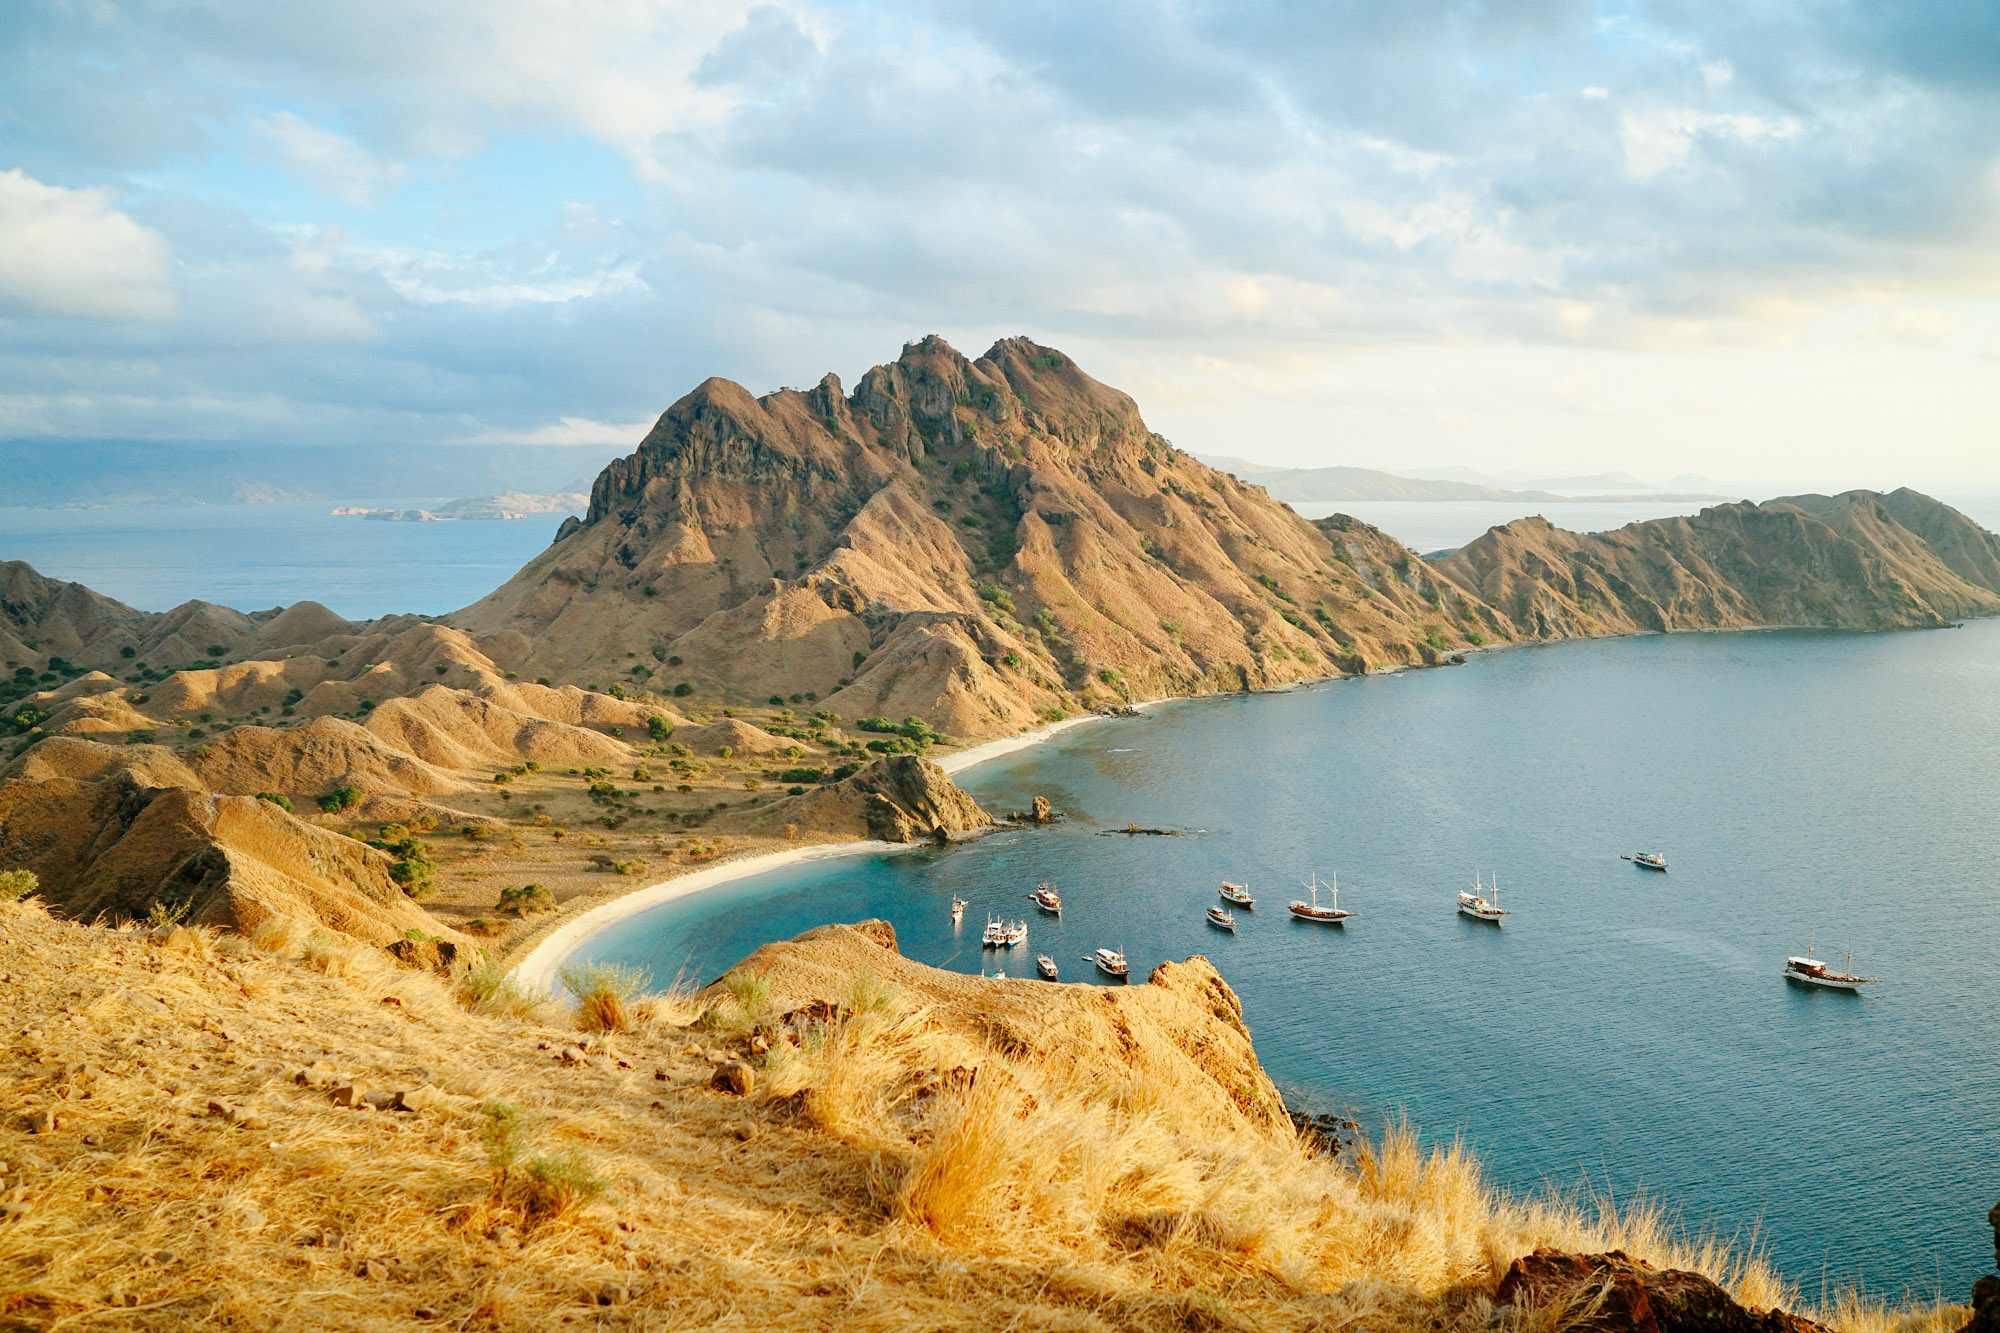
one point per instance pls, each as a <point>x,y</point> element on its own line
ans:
<point>1759,241</point>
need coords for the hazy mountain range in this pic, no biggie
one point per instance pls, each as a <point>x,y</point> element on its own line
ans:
<point>1309,484</point>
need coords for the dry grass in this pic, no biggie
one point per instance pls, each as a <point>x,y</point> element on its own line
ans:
<point>864,1186</point>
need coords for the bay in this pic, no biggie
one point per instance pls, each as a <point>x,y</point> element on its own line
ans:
<point>1624,1028</point>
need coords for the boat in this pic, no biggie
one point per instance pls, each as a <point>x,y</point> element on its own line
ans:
<point>1046,966</point>
<point>1047,898</point>
<point>1648,860</point>
<point>1111,962</point>
<point>1810,971</point>
<point>1237,895</point>
<point>1219,918</point>
<point>958,906</point>
<point>1330,915</point>
<point>1003,934</point>
<point>1475,904</point>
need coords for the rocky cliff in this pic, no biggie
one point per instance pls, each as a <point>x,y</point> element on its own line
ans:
<point>978,542</point>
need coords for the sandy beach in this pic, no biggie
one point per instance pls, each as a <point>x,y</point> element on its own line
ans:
<point>541,966</point>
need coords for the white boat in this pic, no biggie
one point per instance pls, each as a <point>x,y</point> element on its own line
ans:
<point>1237,895</point>
<point>1111,962</point>
<point>1003,934</point>
<point>1648,860</point>
<point>958,906</point>
<point>1221,919</point>
<point>1810,971</point>
<point>1047,898</point>
<point>1475,904</point>
<point>1046,966</point>
<point>1330,915</point>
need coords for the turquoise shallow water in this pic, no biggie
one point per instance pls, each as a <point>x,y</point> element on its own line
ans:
<point>1624,1026</point>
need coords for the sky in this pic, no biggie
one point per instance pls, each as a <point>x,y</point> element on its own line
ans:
<point>1758,241</point>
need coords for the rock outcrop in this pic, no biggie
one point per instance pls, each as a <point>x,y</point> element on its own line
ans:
<point>901,798</point>
<point>1614,1293</point>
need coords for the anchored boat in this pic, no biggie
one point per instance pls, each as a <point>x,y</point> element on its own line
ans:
<point>1330,915</point>
<point>1238,895</point>
<point>1647,860</point>
<point>958,906</point>
<point>1222,920</point>
<point>1111,962</point>
<point>1003,934</point>
<point>1810,971</point>
<point>1476,905</point>
<point>1046,966</point>
<point>1047,898</point>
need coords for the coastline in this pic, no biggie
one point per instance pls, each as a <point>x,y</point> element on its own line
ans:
<point>540,967</point>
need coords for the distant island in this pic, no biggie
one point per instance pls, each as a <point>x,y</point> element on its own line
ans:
<point>1320,484</point>
<point>511,505</point>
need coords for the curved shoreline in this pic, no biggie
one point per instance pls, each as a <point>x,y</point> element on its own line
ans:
<point>541,967</point>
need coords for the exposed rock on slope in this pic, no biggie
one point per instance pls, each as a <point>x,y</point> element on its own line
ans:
<point>975,542</point>
<point>1846,562</point>
<point>898,799</point>
<point>116,848</point>
<point>1632,1296</point>
<point>1180,1036</point>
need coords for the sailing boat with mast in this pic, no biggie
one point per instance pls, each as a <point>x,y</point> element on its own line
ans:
<point>1476,905</point>
<point>1330,915</point>
<point>1810,971</point>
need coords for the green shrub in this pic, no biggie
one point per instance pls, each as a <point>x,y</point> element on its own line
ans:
<point>276,798</point>
<point>802,775</point>
<point>523,899</point>
<point>600,991</point>
<point>552,1184</point>
<point>17,884</point>
<point>340,799</point>
<point>658,729</point>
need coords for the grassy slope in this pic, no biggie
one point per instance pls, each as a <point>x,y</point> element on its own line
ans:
<point>879,1197</point>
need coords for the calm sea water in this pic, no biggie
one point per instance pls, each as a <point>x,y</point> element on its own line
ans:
<point>155,557</point>
<point>1626,1027</point>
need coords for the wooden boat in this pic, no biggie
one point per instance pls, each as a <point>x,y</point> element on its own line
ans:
<point>1330,915</point>
<point>1475,904</point>
<point>1648,860</point>
<point>1111,962</point>
<point>1003,934</point>
<point>1810,971</point>
<point>1237,895</point>
<point>1046,966</point>
<point>1221,919</point>
<point>1047,898</point>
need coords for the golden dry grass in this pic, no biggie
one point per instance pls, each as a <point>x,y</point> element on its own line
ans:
<point>864,1185</point>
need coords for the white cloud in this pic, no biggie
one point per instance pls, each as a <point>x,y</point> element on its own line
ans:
<point>569,430</point>
<point>69,252</point>
<point>1661,140</point>
<point>331,163</point>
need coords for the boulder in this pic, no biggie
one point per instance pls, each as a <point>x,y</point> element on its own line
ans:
<point>1625,1295</point>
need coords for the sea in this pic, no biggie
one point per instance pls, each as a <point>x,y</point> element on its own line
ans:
<point>1624,1031</point>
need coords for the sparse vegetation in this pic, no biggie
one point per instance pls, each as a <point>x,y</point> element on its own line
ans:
<point>18,884</point>
<point>603,992</point>
<point>523,899</point>
<point>340,799</point>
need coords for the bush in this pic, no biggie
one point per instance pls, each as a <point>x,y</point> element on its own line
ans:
<point>844,771</point>
<point>802,775</point>
<point>17,884</point>
<point>553,1184</point>
<point>216,650</point>
<point>525,898</point>
<point>777,701</point>
<point>658,729</point>
<point>276,798</point>
<point>339,799</point>
<point>683,690</point>
<point>795,791</point>
<point>601,991</point>
<point>490,988</point>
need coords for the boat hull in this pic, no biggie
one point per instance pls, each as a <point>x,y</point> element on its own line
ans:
<point>1321,918</point>
<point>1850,985</point>
<point>1491,916</point>
<point>1229,926</point>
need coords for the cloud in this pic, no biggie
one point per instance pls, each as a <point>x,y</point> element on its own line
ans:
<point>569,430</point>
<point>332,163</point>
<point>70,252</point>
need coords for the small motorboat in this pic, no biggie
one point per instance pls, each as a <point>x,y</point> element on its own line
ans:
<point>1648,860</point>
<point>1111,962</point>
<point>1221,919</point>
<point>958,906</point>
<point>1330,915</point>
<point>1237,895</point>
<point>1810,971</point>
<point>1476,905</point>
<point>1046,966</point>
<point>1047,898</point>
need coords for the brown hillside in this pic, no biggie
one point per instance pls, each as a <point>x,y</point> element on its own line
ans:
<point>979,543</point>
